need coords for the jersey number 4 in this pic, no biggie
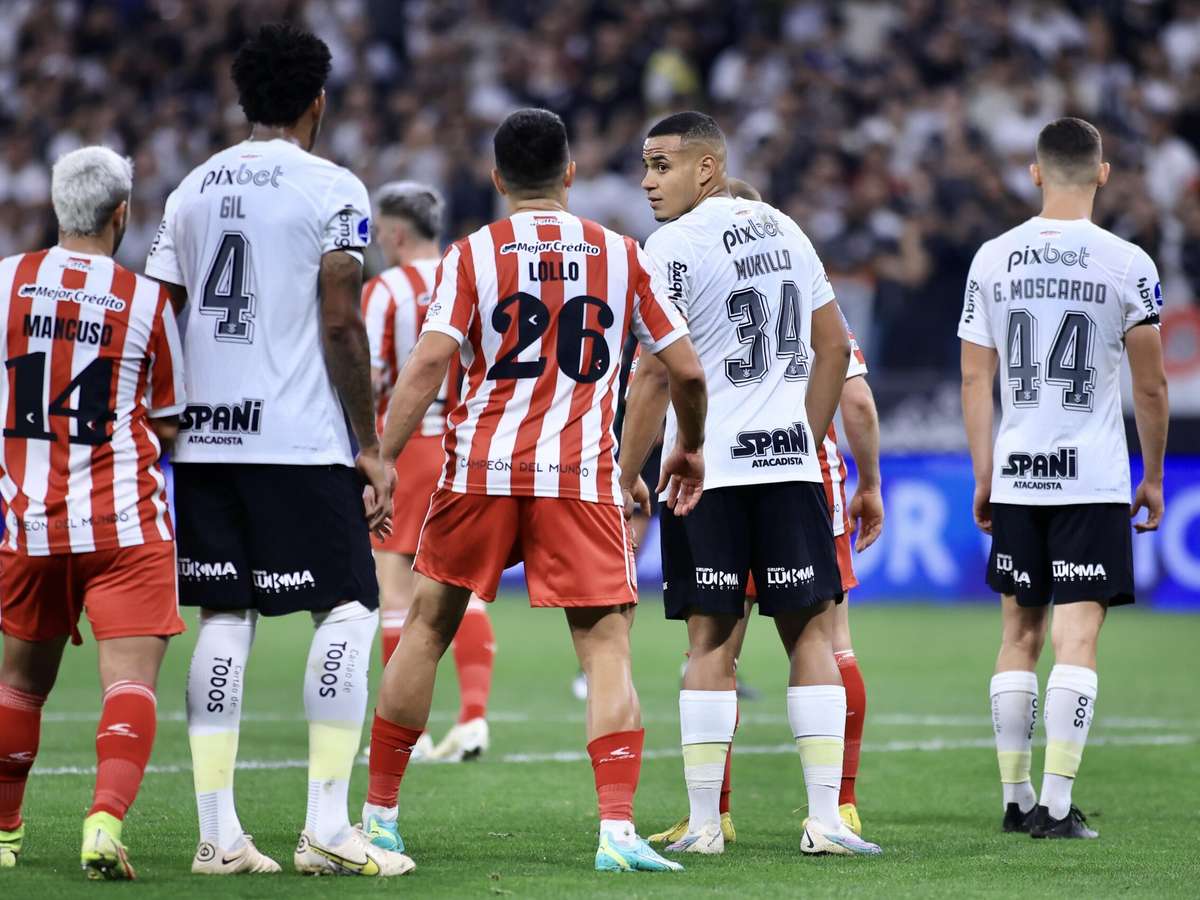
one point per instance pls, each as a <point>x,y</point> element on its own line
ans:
<point>91,415</point>
<point>227,290</point>
<point>582,353</point>
<point>749,311</point>
<point>1068,363</point>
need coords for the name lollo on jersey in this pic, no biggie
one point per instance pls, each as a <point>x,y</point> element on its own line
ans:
<point>1059,325</point>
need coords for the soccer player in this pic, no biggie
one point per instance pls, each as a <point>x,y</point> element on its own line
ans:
<point>92,394</point>
<point>861,421</point>
<point>775,351</point>
<point>1065,300</point>
<point>264,243</point>
<point>538,305</point>
<point>407,223</point>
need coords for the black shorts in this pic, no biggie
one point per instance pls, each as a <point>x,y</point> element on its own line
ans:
<point>275,538</point>
<point>1083,551</point>
<point>780,532</point>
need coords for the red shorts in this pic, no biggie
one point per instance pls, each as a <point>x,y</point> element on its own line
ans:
<point>418,469</point>
<point>127,592</point>
<point>845,566</point>
<point>576,553</point>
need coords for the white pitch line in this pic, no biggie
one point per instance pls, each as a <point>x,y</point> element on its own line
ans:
<point>508,717</point>
<point>932,745</point>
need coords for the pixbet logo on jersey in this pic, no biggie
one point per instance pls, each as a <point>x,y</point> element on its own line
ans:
<point>242,175</point>
<point>752,230</point>
<point>1069,571</point>
<point>777,447</point>
<point>1042,471</point>
<point>1048,254</point>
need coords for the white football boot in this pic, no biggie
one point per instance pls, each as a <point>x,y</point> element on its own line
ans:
<point>709,839</point>
<point>245,860</point>
<point>470,740</point>
<point>354,856</point>
<point>819,839</point>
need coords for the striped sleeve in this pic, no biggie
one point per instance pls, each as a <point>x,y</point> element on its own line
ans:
<point>454,299</point>
<point>657,322</point>
<point>165,352</point>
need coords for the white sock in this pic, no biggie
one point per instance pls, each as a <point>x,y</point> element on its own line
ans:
<point>619,830</point>
<point>214,709</point>
<point>706,723</point>
<point>1070,702</point>
<point>335,702</point>
<point>817,714</point>
<point>1014,713</point>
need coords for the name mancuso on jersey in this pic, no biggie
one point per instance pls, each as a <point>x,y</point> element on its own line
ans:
<point>748,280</point>
<point>1055,298</point>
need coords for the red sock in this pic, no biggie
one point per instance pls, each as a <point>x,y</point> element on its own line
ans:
<point>124,739</point>
<point>726,781</point>
<point>393,627</point>
<point>474,652</point>
<point>391,747</point>
<point>20,729</point>
<point>856,714</point>
<point>617,763</point>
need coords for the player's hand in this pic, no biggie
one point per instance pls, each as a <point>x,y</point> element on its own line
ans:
<point>682,479</point>
<point>636,497</point>
<point>866,509</point>
<point>1148,496</point>
<point>982,507</point>
<point>377,491</point>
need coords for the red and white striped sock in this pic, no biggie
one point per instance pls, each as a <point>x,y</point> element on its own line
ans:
<point>124,740</point>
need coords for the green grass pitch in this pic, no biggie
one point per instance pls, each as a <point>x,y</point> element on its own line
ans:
<point>521,822</point>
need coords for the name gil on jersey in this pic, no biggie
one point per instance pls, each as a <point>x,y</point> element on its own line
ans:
<point>243,175</point>
<point>557,246</point>
<point>776,447</point>
<point>81,331</point>
<point>1042,471</point>
<point>743,233</point>
<point>758,265</point>
<point>70,295</point>
<point>1048,254</point>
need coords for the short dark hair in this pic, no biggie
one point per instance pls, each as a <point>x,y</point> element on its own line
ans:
<point>690,126</point>
<point>531,149</point>
<point>279,72</point>
<point>418,204</point>
<point>1071,148</point>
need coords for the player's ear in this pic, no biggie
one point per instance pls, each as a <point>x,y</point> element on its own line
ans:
<point>498,183</point>
<point>1035,173</point>
<point>569,175</point>
<point>1102,175</point>
<point>120,216</point>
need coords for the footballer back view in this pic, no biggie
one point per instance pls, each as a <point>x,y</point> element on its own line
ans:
<point>263,242</point>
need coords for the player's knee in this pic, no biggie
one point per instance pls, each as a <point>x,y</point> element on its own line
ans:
<point>1025,638</point>
<point>1075,647</point>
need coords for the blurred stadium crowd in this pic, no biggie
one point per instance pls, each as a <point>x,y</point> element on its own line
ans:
<point>897,134</point>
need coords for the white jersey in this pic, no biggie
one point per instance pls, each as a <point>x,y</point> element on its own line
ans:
<point>245,233</point>
<point>1056,298</point>
<point>748,280</point>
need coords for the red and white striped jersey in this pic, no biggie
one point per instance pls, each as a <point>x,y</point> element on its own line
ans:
<point>394,306</point>
<point>833,466</point>
<point>541,304</point>
<point>91,351</point>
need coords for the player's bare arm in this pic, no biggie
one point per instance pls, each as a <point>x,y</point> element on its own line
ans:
<point>979,365</point>
<point>178,294</point>
<point>827,375</point>
<point>166,429</point>
<point>416,388</point>
<point>1150,410</point>
<point>860,421</point>
<point>348,357</point>
<point>683,467</point>
<point>645,407</point>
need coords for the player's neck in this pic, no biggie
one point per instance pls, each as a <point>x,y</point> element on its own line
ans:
<point>713,189</point>
<point>1068,204</point>
<point>294,134</point>
<point>95,244</point>
<point>537,204</point>
<point>424,250</point>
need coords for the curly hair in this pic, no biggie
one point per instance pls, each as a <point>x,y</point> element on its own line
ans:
<point>279,72</point>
